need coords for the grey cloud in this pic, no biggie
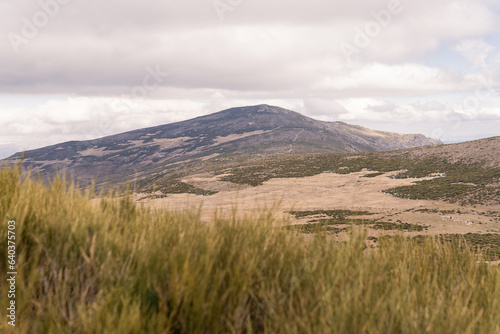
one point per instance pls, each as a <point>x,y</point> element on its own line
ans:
<point>103,47</point>
<point>285,51</point>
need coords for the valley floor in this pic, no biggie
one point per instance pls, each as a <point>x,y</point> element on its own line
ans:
<point>328,191</point>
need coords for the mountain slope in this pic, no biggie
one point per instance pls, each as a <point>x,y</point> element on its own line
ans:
<point>481,151</point>
<point>261,129</point>
<point>466,173</point>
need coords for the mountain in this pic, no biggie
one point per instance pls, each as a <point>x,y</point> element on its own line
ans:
<point>260,129</point>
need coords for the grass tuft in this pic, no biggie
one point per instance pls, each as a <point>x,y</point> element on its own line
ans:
<point>107,265</point>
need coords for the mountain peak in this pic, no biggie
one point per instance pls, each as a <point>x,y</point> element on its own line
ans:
<point>259,108</point>
<point>271,109</point>
<point>259,129</point>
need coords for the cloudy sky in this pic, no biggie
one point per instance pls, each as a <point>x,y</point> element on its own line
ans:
<point>76,70</point>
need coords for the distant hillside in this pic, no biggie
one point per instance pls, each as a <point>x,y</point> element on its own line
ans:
<point>465,173</point>
<point>262,129</point>
<point>483,151</point>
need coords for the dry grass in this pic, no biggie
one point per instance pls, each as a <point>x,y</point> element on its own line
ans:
<point>115,267</point>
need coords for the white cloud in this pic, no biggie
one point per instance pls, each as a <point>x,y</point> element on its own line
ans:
<point>476,51</point>
<point>277,52</point>
<point>408,79</point>
<point>92,47</point>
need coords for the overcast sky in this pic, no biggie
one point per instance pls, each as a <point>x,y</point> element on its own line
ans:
<point>82,69</point>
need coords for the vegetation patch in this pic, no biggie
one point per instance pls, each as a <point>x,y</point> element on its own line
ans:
<point>342,221</point>
<point>373,174</point>
<point>407,227</point>
<point>487,244</point>
<point>315,228</point>
<point>178,187</point>
<point>442,212</point>
<point>379,225</point>
<point>464,183</point>
<point>87,265</point>
<point>341,217</point>
<point>338,214</point>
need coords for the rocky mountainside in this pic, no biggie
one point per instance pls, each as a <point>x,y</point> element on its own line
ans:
<point>261,129</point>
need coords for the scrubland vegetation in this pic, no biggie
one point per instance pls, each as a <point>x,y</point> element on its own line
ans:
<point>463,183</point>
<point>344,217</point>
<point>88,265</point>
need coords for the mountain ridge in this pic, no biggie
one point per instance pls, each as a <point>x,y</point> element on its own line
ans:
<point>261,129</point>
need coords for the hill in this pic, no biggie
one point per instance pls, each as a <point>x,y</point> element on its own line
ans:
<point>469,172</point>
<point>483,151</point>
<point>262,129</point>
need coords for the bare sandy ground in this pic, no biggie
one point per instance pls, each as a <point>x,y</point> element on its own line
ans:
<point>329,191</point>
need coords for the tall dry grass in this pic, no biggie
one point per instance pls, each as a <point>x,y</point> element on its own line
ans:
<point>110,266</point>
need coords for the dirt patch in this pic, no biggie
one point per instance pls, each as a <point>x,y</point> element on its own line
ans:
<point>328,191</point>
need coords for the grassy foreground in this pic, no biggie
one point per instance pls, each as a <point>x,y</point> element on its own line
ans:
<point>109,266</point>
